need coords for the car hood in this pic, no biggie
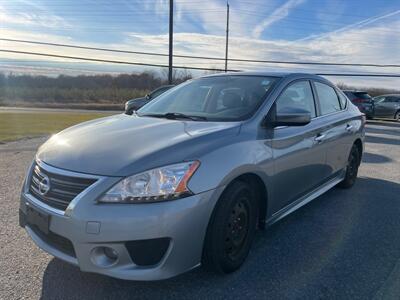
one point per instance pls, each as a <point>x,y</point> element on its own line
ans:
<point>122,145</point>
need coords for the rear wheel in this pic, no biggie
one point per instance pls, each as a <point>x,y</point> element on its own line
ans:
<point>397,116</point>
<point>231,229</point>
<point>352,168</point>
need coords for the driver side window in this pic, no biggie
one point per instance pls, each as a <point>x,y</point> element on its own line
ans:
<point>297,95</point>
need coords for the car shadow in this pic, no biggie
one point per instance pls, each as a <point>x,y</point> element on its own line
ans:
<point>373,158</point>
<point>343,244</point>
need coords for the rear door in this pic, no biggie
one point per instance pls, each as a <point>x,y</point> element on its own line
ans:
<point>336,128</point>
<point>299,158</point>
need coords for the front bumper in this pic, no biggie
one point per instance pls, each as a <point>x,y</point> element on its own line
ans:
<point>89,226</point>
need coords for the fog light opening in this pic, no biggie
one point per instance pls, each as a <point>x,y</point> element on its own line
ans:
<point>104,256</point>
<point>111,253</point>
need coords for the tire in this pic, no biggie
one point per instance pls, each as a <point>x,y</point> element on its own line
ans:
<point>231,229</point>
<point>397,116</point>
<point>369,117</point>
<point>351,169</point>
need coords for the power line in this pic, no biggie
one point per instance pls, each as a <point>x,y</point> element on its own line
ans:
<point>115,11</point>
<point>109,61</point>
<point>179,67</point>
<point>163,26</point>
<point>206,57</point>
<point>83,47</point>
<point>239,66</point>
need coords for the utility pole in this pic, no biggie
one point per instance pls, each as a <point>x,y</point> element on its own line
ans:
<point>171,39</point>
<point>227,36</point>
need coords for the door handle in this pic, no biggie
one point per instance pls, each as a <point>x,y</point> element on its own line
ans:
<point>349,127</point>
<point>319,138</point>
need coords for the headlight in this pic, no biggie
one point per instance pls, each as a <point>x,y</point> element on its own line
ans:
<point>165,183</point>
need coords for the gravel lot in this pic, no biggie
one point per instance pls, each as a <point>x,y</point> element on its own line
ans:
<point>343,245</point>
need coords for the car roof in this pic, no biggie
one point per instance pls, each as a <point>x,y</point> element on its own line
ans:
<point>268,74</point>
<point>354,91</point>
<point>387,95</point>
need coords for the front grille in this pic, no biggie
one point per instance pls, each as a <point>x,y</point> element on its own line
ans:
<point>58,190</point>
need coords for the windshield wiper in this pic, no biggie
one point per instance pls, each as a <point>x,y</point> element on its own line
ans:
<point>174,116</point>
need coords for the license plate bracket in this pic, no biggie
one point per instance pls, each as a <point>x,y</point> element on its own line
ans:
<point>39,219</point>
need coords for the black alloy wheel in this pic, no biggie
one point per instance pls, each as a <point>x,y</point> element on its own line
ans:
<point>231,229</point>
<point>352,168</point>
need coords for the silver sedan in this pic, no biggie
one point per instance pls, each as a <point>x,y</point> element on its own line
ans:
<point>189,178</point>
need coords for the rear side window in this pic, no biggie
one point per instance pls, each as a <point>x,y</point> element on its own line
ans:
<point>328,99</point>
<point>297,95</point>
<point>343,100</point>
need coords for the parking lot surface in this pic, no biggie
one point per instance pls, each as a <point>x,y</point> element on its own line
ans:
<point>343,245</point>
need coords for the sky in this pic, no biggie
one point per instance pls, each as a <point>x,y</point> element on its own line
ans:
<point>339,31</point>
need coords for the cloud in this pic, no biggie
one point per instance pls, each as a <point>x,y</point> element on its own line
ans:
<point>160,6</point>
<point>278,14</point>
<point>372,42</point>
<point>47,20</point>
<point>358,24</point>
<point>209,16</point>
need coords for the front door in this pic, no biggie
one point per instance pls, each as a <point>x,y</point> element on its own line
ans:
<point>299,155</point>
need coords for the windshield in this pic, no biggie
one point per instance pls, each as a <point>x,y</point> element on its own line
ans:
<point>219,98</point>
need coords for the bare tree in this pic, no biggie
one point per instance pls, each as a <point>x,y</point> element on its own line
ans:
<point>178,76</point>
<point>164,75</point>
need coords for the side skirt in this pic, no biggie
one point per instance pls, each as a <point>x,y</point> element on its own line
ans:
<point>305,199</point>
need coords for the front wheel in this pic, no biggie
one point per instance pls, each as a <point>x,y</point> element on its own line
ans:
<point>351,169</point>
<point>231,229</point>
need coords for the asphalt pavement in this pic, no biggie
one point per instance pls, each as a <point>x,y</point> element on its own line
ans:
<point>343,245</point>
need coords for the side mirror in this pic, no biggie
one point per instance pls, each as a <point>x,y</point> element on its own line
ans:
<point>128,108</point>
<point>148,97</point>
<point>292,117</point>
<point>129,112</point>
